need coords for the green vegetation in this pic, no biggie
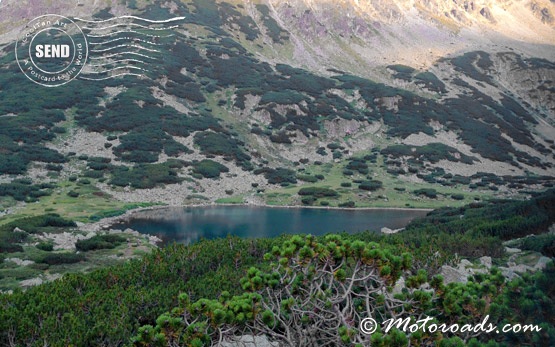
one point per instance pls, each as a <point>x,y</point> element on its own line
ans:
<point>147,175</point>
<point>12,234</point>
<point>311,194</point>
<point>113,304</point>
<point>274,30</point>
<point>223,145</point>
<point>318,192</point>
<point>209,168</point>
<point>372,185</point>
<point>61,258</point>
<point>402,72</point>
<point>427,192</point>
<point>117,212</point>
<point>432,153</point>
<point>24,190</point>
<point>106,241</point>
<point>278,176</point>
<point>211,75</point>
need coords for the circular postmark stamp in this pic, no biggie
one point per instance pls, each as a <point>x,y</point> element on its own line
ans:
<point>51,50</point>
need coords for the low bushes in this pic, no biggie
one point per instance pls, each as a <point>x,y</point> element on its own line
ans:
<point>209,168</point>
<point>61,258</point>
<point>427,192</point>
<point>371,185</point>
<point>107,241</point>
<point>318,192</point>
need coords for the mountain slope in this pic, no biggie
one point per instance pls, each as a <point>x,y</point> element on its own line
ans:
<point>244,97</point>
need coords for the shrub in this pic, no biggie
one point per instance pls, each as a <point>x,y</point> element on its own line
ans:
<point>73,194</point>
<point>427,192</point>
<point>278,176</point>
<point>94,174</point>
<point>223,145</point>
<point>8,247</point>
<point>24,190</point>
<point>307,178</point>
<point>45,246</point>
<point>348,204</point>
<point>106,241</point>
<point>371,185</point>
<point>209,168</point>
<point>318,192</point>
<point>35,224</point>
<point>147,175</point>
<point>61,258</point>
<point>54,167</point>
<point>346,184</point>
<point>280,137</point>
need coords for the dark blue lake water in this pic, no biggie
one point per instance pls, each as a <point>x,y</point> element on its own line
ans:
<point>189,224</point>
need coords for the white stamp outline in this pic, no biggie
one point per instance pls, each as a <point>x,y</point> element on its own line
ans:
<point>24,45</point>
<point>31,54</point>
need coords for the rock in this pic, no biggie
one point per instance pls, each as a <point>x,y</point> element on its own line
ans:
<point>399,285</point>
<point>542,263</point>
<point>486,13</point>
<point>53,277</point>
<point>486,261</point>
<point>450,274</point>
<point>20,262</point>
<point>465,263</point>
<point>17,230</point>
<point>512,250</point>
<point>385,230</point>
<point>250,341</point>
<point>508,273</point>
<point>153,240</point>
<point>521,268</point>
<point>31,282</point>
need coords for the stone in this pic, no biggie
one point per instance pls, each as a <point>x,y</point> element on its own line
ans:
<point>399,285</point>
<point>542,263</point>
<point>512,250</point>
<point>20,262</point>
<point>508,273</point>
<point>250,341</point>
<point>465,263</point>
<point>486,261</point>
<point>451,274</point>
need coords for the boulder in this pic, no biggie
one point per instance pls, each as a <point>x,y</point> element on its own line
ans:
<point>486,261</point>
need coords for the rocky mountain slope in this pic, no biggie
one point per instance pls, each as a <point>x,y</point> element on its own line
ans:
<point>251,95</point>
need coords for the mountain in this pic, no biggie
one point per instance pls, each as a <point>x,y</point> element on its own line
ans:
<point>383,103</point>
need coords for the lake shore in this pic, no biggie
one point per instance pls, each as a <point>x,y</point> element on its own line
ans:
<point>108,223</point>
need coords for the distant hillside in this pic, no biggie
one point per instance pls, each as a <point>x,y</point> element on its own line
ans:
<point>427,104</point>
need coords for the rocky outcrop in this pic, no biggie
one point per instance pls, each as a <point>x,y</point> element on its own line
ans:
<point>250,341</point>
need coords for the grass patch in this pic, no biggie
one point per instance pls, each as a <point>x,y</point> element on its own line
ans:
<point>231,200</point>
